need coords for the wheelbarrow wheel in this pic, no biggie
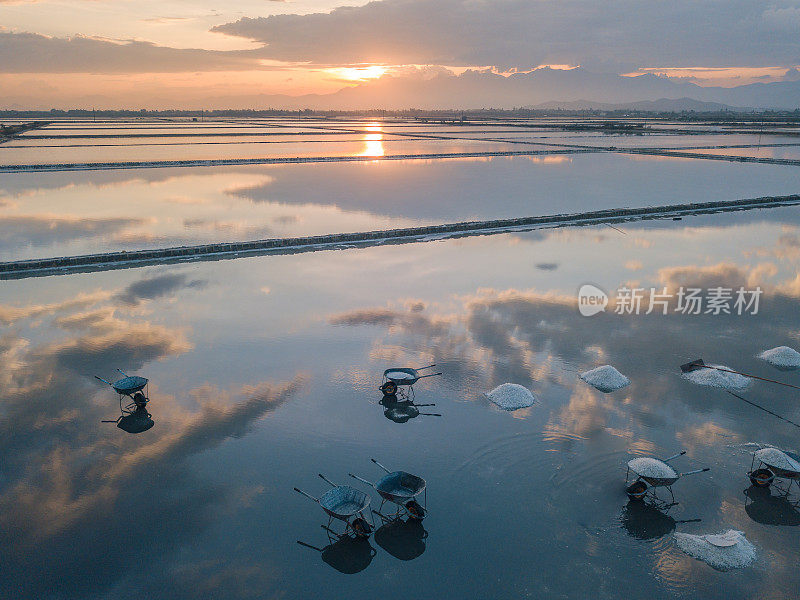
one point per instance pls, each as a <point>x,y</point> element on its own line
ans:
<point>761,478</point>
<point>636,490</point>
<point>361,528</point>
<point>389,388</point>
<point>415,510</point>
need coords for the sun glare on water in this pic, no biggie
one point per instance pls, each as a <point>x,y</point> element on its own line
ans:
<point>373,142</point>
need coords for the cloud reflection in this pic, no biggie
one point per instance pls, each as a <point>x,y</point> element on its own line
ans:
<point>79,502</point>
<point>539,340</point>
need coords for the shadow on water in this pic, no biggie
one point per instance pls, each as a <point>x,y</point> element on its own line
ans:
<point>644,521</point>
<point>401,411</point>
<point>346,554</point>
<point>765,508</point>
<point>136,422</point>
<point>403,539</point>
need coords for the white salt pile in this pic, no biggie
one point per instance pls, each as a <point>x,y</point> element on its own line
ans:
<point>724,551</point>
<point>720,379</point>
<point>777,458</point>
<point>651,467</point>
<point>782,357</point>
<point>511,396</point>
<point>606,379</point>
<point>398,375</point>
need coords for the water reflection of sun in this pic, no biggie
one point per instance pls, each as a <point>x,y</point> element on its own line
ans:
<point>373,142</point>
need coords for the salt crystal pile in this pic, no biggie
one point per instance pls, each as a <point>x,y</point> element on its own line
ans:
<point>724,551</point>
<point>651,468</point>
<point>511,396</point>
<point>720,379</point>
<point>399,375</point>
<point>777,458</point>
<point>782,357</point>
<point>606,379</point>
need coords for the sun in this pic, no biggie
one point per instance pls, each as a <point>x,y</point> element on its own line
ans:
<point>357,74</point>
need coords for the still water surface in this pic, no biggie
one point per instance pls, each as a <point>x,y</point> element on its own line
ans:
<point>264,372</point>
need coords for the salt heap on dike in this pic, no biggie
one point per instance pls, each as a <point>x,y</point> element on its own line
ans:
<point>606,379</point>
<point>720,379</point>
<point>782,357</point>
<point>511,396</point>
<point>723,551</point>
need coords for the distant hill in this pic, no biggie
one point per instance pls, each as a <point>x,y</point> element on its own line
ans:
<point>473,89</point>
<point>660,105</point>
<point>486,89</point>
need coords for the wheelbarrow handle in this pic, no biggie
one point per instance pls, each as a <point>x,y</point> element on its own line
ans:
<point>380,465</point>
<point>330,531</point>
<point>696,471</point>
<point>430,375</point>
<point>431,404</point>
<point>431,414</point>
<point>383,517</point>
<point>104,381</point>
<point>309,546</point>
<point>123,372</point>
<point>307,495</point>
<point>423,368</point>
<point>326,480</point>
<point>361,480</point>
<point>675,456</point>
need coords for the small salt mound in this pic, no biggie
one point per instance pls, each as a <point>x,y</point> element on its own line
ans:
<point>606,379</point>
<point>720,379</point>
<point>399,375</point>
<point>782,357</point>
<point>777,458</point>
<point>729,550</point>
<point>651,467</point>
<point>511,396</point>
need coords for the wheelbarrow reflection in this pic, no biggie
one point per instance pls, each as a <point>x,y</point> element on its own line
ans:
<point>137,421</point>
<point>646,521</point>
<point>401,411</point>
<point>345,553</point>
<point>403,539</point>
<point>765,508</point>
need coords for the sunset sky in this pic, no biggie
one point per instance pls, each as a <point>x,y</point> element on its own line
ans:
<point>76,52</point>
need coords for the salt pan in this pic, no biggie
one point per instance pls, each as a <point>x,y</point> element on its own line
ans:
<point>606,379</point>
<point>720,379</point>
<point>782,357</point>
<point>721,557</point>
<point>511,396</point>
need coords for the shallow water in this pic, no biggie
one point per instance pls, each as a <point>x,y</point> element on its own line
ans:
<point>264,372</point>
<point>55,214</point>
<point>294,148</point>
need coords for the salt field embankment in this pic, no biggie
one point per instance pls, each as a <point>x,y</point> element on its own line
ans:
<point>134,258</point>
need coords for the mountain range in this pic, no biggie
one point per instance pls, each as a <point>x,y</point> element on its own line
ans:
<point>439,88</point>
<point>547,88</point>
